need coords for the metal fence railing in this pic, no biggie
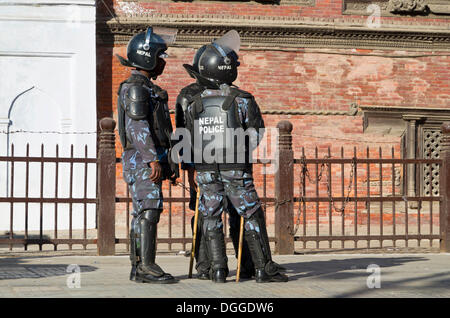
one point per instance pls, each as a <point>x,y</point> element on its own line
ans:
<point>342,199</point>
<point>358,199</point>
<point>46,204</point>
<point>363,199</point>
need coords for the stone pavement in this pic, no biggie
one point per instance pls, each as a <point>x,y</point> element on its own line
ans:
<point>329,275</point>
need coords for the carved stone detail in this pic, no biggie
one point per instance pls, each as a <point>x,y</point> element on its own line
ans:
<point>437,9</point>
<point>353,111</point>
<point>285,32</point>
<point>409,6</point>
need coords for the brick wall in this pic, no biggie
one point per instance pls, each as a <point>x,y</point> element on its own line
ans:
<point>312,79</point>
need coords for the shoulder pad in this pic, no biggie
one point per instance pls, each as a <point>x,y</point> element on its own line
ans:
<point>241,93</point>
<point>191,89</point>
<point>137,102</point>
<point>187,93</point>
<point>162,93</point>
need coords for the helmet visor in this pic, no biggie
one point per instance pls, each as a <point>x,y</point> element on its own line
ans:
<point>230,41</point>
<point>164,35</point>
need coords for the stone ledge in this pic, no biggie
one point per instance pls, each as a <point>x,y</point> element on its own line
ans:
<point>269,32</point>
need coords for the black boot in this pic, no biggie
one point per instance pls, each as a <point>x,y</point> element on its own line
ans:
<point>219,275</point>
<point>133,255</point>
<point>258,241</point>
<point>147,271</point>
<point>202,264</point>
<point>215,247</point>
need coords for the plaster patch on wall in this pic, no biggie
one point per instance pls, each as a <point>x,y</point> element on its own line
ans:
<point>254,60</point>
<point>300,69</point>
<point>415,66</point>
<point>387,89</point>
<point>444,99</point>
<point>328,68</point>
<point>420,86</point>
<point>371,68</point>
<point>354,90</point>
<point>313,87</point>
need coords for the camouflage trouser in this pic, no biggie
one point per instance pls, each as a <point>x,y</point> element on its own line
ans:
<point>235,185</point>
<point>146,194</point>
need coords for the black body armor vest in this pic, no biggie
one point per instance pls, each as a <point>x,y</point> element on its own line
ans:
<point>218,138</point>
<point>158,119</point>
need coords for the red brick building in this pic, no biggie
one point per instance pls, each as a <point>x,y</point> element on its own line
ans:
<point>346,73</point>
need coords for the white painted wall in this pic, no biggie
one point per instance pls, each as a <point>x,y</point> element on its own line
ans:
<point>48,83</point>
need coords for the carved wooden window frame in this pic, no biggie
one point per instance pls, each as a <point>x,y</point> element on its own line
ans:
<point>422,132</point>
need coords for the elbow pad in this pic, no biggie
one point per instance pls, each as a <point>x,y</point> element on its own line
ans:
<point>137,102</point>
<point>255,119</point>
<point>181,108</point>
<point>183,101</point>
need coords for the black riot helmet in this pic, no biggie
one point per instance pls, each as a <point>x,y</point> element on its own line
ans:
<point>146,49</point>
<point>193,72</point>
<point>219,60</point>
<point>197,57</point>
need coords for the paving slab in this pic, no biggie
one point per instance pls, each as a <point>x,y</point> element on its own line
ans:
<point>318,276</point>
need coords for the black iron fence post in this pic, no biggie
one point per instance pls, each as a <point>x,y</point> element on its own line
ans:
<point>106,188</point>
<point>444,184</point>
<point>284,191</point>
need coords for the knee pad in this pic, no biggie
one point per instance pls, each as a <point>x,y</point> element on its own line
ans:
<point>152,216</point>
<point>256,222</point>
<point>212,224</point>
<point>252,226</point>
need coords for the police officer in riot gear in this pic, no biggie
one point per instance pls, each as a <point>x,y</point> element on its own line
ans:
<point>144,129</point>
<point>223,165</point>
<point>201,256</point>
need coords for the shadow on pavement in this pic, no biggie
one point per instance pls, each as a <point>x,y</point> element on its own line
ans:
<point>341,269</point>
<point>429,282</point>
<point>335,268</point>
<point>17,268</point>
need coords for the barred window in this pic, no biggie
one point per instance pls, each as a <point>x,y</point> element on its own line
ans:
<point>431,146</point>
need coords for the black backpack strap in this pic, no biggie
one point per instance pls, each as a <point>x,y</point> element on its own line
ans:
<point>198,105</point>
<point>162,94</point>
<point>229,100</point>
